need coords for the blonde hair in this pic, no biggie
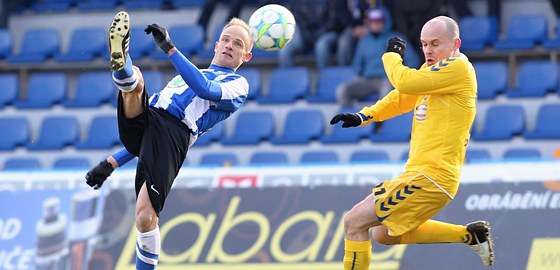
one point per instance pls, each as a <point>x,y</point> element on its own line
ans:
<point>240,22</point>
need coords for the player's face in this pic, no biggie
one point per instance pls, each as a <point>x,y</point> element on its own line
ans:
<point>232,49</point>
<point>437,44</point>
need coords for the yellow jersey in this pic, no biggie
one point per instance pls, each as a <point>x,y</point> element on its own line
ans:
<point>443,97</point>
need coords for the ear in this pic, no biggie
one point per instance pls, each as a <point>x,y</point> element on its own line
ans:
<point>215,46</point>
<point>247,56</point>
<point>457,43</point>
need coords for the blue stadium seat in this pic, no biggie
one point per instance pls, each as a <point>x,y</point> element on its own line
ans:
<point>522,153</point>
<point>477,32</point>
<point>103,133</point>
<point>186,3</point>
<point>44,90</point>
<point>153,81</point>
<point>404,155</point>
<point>329,79</point>
<point>37,46</point>
<point>502,123</point>
<point>535,79</point>
<point>253,76</point>
<point>554,43</point>
<point>15,132</point>
<point>476,155</point>
<point>5,43</point>
<point>56,132</point>
<point>17,164</point>
<point>85,45</point>
<point>314,157</point>
<point>547,124</point>
<point>524,32</point>
<point>207,52</point>
<point>218,159</point>
<point>95,5</point>
<point>301,126</point>
<point>93,88</point>
<point>213,135</point>
<point>268,158</point>
<point>347,135</point>
<point>143,4</point>
<point>286,85</point>
<point>369,156</point>
<point>492,78</point>
<point>140,44</point>
<point>395,129</point>
<point>9,88</point>
<point>189,39</point>
<point>52,5</point>
<point>72,163</point>
<point>251,128</point>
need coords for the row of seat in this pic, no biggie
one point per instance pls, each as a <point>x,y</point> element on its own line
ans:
<point>274,158</point>
<point>285,85</point>
<point>301,126</point>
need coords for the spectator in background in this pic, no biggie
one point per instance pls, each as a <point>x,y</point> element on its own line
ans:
<point>310,18</point>
<point>367,60</point>
<point>338,17</point>
<point>493,8</point>
<point>210,5</point>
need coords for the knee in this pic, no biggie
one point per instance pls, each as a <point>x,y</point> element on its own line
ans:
<point>145,220</point>
<point>351,222</point>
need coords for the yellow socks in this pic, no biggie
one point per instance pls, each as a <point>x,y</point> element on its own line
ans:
<point>357,255</point>
<point>433,231</point>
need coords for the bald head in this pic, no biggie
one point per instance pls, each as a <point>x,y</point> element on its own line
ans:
<point>440,39</point>
<point>448,26</point>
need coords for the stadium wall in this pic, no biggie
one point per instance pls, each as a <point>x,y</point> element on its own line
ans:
<point>269,218</point>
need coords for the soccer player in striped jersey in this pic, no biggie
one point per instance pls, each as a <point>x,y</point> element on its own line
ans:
<point>442,94</point>
<point>160,130</point>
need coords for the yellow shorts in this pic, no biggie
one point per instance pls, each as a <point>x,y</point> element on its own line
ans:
<point>402,204</point>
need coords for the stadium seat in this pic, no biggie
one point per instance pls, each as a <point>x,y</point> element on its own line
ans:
<point>93,88</point>
<point>286,85</point>
<point>154,81</point>
<point>301,126</point>
<point>535,79</point>
<point>524,32</point>
<point>251,128</point>
<point>554,43</point>
<point>396,129</point>
<point>218,159</point>
<point>477,32</point>
<point>268,158</point>
<point>9,88</point>
<point>492,78</point>
<point>476,155</point>
<point>313,157</point>
<point>522,153</point>
<point>37,46</point>
<point>140,44</point>
<point>369,156</point>
<point>347,135</point>
<point>44,90</point>
<point>95,5</point>
<point>5,43</point>
<point>186,3</point>
<point>329,79</point>
<point>52,5</point>
<point>15,132</point>
<point>143,4</point>
<point>502,122</point>
<point>189,39</point>
<point>253,76</point>
<point>16,164</point>
<point>56,132</point>
<point>213,135</point>
<point>85,45</point>
<point>547,124</point>
<point>103,133</point>
<point>72,163</point>
<point>207,51</point>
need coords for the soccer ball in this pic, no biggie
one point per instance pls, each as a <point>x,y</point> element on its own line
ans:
<point>272,27</point>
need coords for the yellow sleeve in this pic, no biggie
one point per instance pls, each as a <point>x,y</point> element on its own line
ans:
<point>393,104</point>
<point>441,78</point>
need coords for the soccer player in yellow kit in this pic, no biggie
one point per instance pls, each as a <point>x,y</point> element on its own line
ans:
<point>442,94</point>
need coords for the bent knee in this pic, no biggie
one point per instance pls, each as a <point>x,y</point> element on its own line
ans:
<point>145,220</point>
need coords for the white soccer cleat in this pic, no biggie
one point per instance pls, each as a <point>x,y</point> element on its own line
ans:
<point>119,37</point>
<point>481,241</point>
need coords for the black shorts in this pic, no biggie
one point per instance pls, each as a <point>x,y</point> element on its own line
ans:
<point>160,141</point>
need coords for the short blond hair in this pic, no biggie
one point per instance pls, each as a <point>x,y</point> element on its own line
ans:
<point>240,22</point>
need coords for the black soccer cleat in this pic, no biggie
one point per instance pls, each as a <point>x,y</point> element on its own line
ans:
<point>119,37</point>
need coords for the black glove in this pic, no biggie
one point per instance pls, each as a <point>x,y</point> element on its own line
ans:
<point>160,36</point>
<point>396,44</point>
<point>349,119</point>
<point>96,176</point>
